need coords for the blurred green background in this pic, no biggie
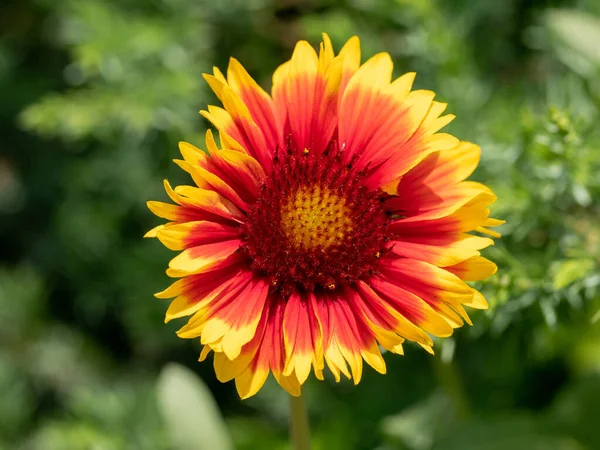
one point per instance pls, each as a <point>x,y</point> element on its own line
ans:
<point>95,95</point>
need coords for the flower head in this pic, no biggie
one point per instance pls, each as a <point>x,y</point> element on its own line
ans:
<point>332,219</point>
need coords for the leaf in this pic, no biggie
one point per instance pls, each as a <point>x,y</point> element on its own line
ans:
<point>569,271</point>
<point>190,412</point>
<point>581,195</point>
<point>574,37</point>
<point>575,410</point>
<point>417,425</point>
<point>518,432</point>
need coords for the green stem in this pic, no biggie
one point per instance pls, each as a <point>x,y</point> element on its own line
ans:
<point>450,380</point>
<point>299,423</point>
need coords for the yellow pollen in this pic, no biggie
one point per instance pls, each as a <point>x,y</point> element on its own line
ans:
<point>315,217</point>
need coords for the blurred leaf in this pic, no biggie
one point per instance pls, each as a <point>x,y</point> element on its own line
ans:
<point>519,432</point>
<point>250,430</point>
<point>582,195</point>
<point>576,410</point>
<point>103,90</point>
<point>418,425</point>
<point>569,271</point>
<point>575,36</point>
<point>73,435</point>
<point>191,414</point>
<point>585,356</point>
<point>17,398</point>
<point>24,284</point>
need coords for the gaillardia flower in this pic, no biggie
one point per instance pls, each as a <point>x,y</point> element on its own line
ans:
<point>332,219</point>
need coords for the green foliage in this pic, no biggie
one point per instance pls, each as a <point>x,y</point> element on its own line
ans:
<point>577,50</point>
<point>96,95</point>
<point>190,412</point>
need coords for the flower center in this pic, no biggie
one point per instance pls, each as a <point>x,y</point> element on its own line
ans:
<point>315,224</point>
<point>315,217</point>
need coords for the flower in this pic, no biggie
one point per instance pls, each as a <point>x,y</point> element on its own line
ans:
<point>333,220</point>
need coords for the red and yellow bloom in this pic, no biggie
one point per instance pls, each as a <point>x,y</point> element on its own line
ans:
<point>332,219</point>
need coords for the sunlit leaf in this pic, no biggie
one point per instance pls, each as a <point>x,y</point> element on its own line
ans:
<point>190,412</point>
<point>575,36</point>
<point>569,271</point>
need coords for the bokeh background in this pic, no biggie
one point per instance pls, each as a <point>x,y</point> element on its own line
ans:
<point>95,95</point>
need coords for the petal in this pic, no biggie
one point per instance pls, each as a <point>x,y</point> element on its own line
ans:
<point>259,103</point>
<point>294,93</point>
<point>366,112</point>
<point>153,232</point>
<point>227,369</point>
<point>434,185</point>
<point>378,318</point>
<point>401,86</point>
<point>279,93</point>
<point>248,380</point>
<point>445,249</point>
<point>206,179</point>
<point>346,338</point>
<point>175,212</point>
<point>355,340</point>
<point>387,321</point>
<point>195,291</point>
<point>420,122</point>
<point>343,336</point>
<point>462,218</point>
<point>269,356</point>
<point>478,301</point>
<point>350,54</point>
<point>199,204</point>
<point>442,169</point>
<point>196,296</point>
<point>421,203</point>
<point>490,222</point>
<point>324,116</point>
<point>390,128</point>
<point>216,81</point>
<point>325,103</point>
<point>302,336</point>
<point>201,257</point>
<point>208,305</point>
<point>332,353</point>
<point>204,353</point>
<point>474,269</point>
<point>232,264</point>
<point>233,321</point>
<point>412,307</point>
<point>424,279</point>
<point>326,53</point>
<point>241,173</point>
<point>177,236</point>
<point>441,289</point>
<point>235,122</point>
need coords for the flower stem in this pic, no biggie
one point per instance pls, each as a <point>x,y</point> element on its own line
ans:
<point>299,423</point>
<point>449,379</point>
